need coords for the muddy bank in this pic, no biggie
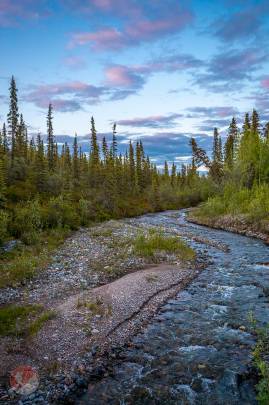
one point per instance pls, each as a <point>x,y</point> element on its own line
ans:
<point>236,224</point>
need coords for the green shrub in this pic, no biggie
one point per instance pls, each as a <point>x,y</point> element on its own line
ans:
<point>60,213</point>
<point>27,222</point>
<point>260,355</point>
<point>3,225</point>
<point>84,211</point>
<point>253,203</point>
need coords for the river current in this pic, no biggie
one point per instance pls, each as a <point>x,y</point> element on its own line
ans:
<point>198,347</point>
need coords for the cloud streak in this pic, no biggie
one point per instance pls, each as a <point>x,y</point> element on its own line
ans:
<point>157,121</point>
<point>12,11</point>
<point>76,93</point>
<point>243,24</point>
<point>227,70</point>
<point>150,21</point>
<point>134,77</point>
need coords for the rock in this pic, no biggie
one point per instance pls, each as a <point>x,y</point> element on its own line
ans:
<point>11,245</point>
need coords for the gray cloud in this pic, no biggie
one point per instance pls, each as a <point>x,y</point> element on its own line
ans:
<point>227,70</point>
<point>158,121</point>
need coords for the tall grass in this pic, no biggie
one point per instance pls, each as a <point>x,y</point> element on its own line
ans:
<point>154,242</point>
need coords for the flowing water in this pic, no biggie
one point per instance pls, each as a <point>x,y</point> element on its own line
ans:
<point>197,349</point>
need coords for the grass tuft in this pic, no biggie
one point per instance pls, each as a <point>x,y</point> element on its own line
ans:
<point>23,263</point>
<point>154,242</point>
<point>23,320</point>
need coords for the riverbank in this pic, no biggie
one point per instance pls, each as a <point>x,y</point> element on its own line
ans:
<point>100,290</point>
<point>199,347</point>
<point>237,224</point>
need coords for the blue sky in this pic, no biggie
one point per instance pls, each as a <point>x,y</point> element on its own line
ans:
<point>163,70</point>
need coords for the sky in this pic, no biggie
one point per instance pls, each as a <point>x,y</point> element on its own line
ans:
<point>163,70</point>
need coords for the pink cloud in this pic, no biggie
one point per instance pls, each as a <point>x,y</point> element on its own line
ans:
<point>149,29</point>
<point>135,76</point>
<point>108,38</point>
<point>265,83</point>
<point>135,31</point>
<point>118,7</point>
<point>11,11</point>
<point>122,76</point>
<point>65,96</point>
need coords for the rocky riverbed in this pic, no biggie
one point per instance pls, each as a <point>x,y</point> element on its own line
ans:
<point>114,340</point>
<point>102,293</point>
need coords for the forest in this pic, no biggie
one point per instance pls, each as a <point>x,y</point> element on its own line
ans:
<point>46,192</point>
<point>43,188</point>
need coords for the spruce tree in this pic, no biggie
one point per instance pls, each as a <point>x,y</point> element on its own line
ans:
<point>50,139</point>
<point>40,166</point>
<point>166,170</point>
<point>138,166</point>
<point>94,151</point>
<point>255,122</point>
<point>21,146</point>
<point>217,156</point>
<point>13,115</point>
<point>76,173</point>
<point>5,140</point>
<point>173,175</point>
<point>230,145</point>
<point>246,125</point>
<point>104,150</point>
<point>132,167</point>
<point>114,145</point>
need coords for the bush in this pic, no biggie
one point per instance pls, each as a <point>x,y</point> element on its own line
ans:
<point>3,225</point>
<point>253,203</point>
<point>84,211</point>
<point>60,213</point>
<point>27,222</point>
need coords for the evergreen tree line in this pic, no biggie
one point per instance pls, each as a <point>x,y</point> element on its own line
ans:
<point>43,187</point>
<point>240,170</point>
<point>244,159</point>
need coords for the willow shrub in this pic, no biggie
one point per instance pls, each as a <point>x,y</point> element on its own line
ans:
<point>253,203</point>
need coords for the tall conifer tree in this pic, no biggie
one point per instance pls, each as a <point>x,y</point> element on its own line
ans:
<point>50,139</point>
<point>13,115</point>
